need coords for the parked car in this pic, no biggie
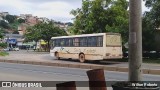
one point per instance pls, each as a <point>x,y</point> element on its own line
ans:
<point>7,49</point>
<point>16,49</point>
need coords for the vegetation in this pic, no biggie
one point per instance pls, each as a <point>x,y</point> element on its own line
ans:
<point>151,22</point>
<point>99,16</point>
<point>3,45</point>
<point>10,18</point>
<point>145,60</point>
<point>43,31</point>
<point>2,32</point>
<point>112,16</point>
<point>3,53</point>
<point>21,20</point>
<point>10,22</point>
<point>4,24</point>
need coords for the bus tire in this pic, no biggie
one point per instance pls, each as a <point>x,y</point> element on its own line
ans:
<point>57,55</point>
<point>81,57</point>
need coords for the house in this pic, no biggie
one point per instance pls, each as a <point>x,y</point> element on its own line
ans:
<point>22,28</point>
<point>4,14</point>
<point>43,19</point>
<point>32,20</point>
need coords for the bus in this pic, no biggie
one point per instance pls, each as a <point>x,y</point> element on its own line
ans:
<point>99,46</point>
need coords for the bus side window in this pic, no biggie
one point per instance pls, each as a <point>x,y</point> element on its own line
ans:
<point>62,42</point>
<point>76,42</point>
<point>53,43</point>
<point>58,42</point>
<point>81,40</point>
<point>66,42</point>
<point>70,42</point>
<point>89,41</point>
<point>99,41</point>
<point>92,41</point>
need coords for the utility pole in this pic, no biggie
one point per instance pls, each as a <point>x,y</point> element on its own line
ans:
<point>135,40</point>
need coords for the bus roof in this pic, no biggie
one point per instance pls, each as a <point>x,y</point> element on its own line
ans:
<point>85,35</point>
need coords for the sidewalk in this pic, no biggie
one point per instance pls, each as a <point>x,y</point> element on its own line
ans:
<point>43,58</point>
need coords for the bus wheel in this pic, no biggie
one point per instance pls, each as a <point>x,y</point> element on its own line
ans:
<point>82,58</point>
<point>57,55</point>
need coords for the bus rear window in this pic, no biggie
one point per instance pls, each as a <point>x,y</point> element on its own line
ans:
<point>113,40</point>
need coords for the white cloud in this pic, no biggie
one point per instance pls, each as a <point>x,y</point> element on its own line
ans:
<point>58,10</point>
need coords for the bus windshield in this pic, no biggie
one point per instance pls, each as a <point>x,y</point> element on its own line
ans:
<point>113,40</point>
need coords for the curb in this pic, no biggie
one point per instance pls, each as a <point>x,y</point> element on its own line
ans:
<point>83,66</point>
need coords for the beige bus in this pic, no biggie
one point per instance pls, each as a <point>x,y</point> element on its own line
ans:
<point>97,46</point>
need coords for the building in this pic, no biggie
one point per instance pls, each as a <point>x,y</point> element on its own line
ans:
<point>13,39</point>
<point>4,14</point>
<point>22,28</point>
<point>25,16</point>
<point>43,19</point>
<point>32,20</point>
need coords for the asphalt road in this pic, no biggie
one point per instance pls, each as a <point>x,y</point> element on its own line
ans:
<point>23,72</point>
<point>45,57</point>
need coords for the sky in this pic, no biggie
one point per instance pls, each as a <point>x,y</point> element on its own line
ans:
<point>58,10</point>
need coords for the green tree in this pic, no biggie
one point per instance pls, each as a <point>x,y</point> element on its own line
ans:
<point>49,30</point>
<point>2,31</point>
<point>43,31</point>
<point>102,16</point>
<point>148,35</point>
<point>32,33</point>
<point>1,35</point>
<point>4,24</point>
<point>118,19</point>
<point>10,18</point>
<point>153,14</point>
<point>151,22</point>
<point>21,20</point>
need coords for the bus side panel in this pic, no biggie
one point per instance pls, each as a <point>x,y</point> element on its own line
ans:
<point>91,53</point>
<point>113,53</point>
<point>52,52</point>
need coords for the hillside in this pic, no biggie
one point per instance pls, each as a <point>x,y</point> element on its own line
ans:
<point>9,24</point>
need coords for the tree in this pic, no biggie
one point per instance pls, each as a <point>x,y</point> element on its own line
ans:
<point>153,14</point>
<point>151,22</point>
<point>49,30</point>
<point>10,18</point>
<point>43,31</point>
<point>1,35</point>
<point>4,24</point>
<point>21,20</point>
<point>118,19</point>
<point>98,16</point>
<point>32,33</point>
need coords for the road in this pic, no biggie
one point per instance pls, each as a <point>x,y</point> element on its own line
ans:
<point>23,72</point>
<point>23,55</point>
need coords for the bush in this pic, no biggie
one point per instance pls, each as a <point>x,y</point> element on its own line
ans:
<point>3,53</point>
<point>3,45</point>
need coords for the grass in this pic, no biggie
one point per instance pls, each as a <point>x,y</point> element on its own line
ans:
<point>145,60</point>
<point>151,60</point>
<point>3,53</point>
